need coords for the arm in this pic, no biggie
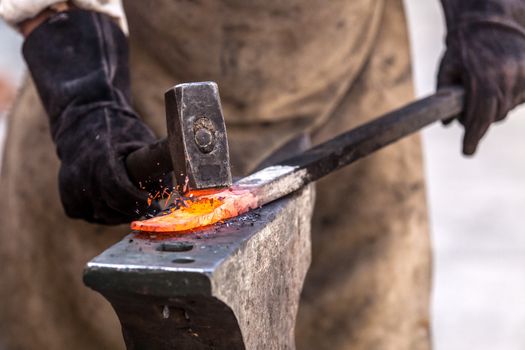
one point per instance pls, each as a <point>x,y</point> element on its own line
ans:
<point>78,60</point>
<point>486,54</point>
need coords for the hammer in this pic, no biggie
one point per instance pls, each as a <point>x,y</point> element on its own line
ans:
<point>196,149</point>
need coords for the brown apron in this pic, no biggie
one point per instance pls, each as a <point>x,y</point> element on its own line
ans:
<point>283,68</point>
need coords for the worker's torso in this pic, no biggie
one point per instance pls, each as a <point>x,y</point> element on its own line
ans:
<point>273,60</point>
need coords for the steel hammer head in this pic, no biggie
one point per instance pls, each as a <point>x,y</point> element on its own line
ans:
<point>196,149</point>
<point>197,138</point>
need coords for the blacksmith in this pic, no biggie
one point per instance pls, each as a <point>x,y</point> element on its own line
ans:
<point>284,68</point>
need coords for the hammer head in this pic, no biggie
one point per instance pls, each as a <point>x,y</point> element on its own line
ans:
<point>197,138</point>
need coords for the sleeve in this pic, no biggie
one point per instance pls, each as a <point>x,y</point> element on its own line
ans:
<point>16,11</point>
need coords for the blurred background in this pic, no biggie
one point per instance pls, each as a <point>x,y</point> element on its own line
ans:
<point>477,205</point>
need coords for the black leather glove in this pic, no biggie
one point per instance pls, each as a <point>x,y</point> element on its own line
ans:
<point>486,54</point>
<point>79,63</point>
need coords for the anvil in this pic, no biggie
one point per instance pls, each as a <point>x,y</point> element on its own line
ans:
<point>226,287</point>
<point>236,284</point>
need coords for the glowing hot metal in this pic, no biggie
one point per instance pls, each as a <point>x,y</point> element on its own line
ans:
<point>207,207</point>
<point>202,209</point>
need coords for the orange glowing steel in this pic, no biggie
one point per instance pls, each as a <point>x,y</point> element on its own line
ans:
<point>205,207</point>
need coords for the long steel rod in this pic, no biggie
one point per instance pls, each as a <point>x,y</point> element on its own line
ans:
<point>288,176</point>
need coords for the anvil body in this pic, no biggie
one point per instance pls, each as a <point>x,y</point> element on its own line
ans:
<point>230,286</point>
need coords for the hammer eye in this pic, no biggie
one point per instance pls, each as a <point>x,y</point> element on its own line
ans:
<point>204,134</point>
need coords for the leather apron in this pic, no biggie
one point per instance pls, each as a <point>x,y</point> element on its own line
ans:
<point>283,69</point>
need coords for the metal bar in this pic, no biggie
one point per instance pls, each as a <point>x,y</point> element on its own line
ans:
<point>290,175</point>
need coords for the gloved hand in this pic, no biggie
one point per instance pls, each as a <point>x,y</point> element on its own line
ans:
<point>79,63</point>
<point>486,54</point>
